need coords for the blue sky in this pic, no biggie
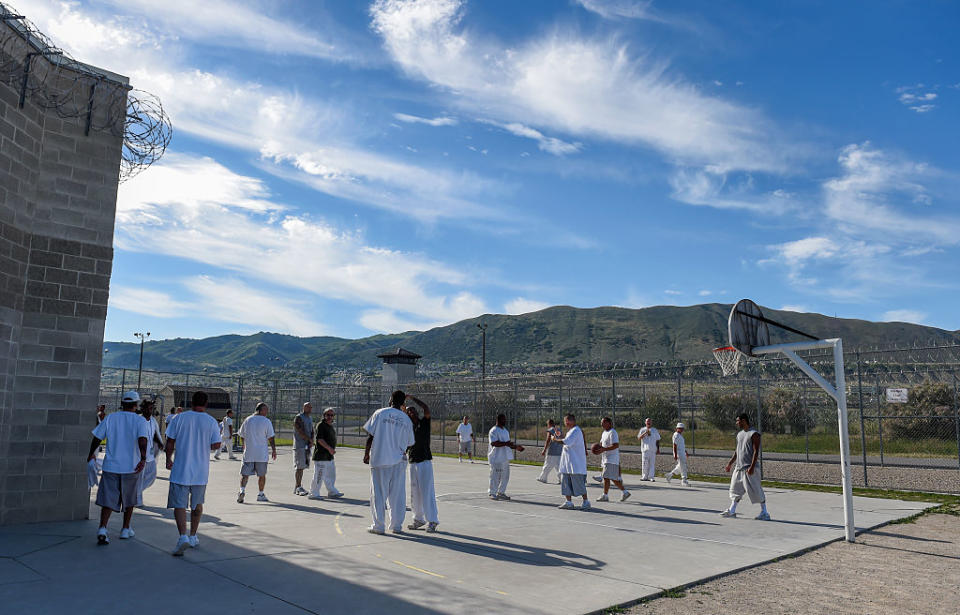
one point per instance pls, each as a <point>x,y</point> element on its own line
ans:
<point>348,168</point>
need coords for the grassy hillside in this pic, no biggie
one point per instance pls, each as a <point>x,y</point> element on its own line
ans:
<point>559,334</point>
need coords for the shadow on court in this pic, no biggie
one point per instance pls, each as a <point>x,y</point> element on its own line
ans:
<point>630,515</point>
<point>500,550</point>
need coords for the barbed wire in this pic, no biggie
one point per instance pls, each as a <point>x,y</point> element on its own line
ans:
<point>44,74</point>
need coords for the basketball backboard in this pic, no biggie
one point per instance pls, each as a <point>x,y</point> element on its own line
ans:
<point>747,328</point>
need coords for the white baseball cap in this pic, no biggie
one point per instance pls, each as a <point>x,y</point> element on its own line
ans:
<point>680,426</point>
<point>130,397</point>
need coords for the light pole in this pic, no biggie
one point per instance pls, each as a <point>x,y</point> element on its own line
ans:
<point>483,351</point>
<point>143,338</point>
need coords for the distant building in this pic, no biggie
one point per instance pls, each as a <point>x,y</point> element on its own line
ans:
<point>173,395</point>
<point>399,367</point>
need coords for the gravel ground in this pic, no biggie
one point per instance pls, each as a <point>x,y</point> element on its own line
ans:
<point>904,568</point>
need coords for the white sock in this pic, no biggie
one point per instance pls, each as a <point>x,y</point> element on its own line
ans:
<point>261,493</point>
<point>763,507</point>
<point>243,489</point>
<point>733,507</point>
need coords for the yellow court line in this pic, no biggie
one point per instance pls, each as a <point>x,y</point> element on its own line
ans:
<point>336,523</point>
<point>432,574</point>
<point>502,593</point>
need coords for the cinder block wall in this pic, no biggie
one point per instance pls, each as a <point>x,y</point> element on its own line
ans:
<point>58,189</point>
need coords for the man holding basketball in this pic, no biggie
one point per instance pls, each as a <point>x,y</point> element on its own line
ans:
<point>499,455</point>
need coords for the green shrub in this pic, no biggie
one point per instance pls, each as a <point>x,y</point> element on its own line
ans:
<point>922,413</point>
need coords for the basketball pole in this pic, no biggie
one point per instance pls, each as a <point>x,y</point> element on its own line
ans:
<point>839,393</point>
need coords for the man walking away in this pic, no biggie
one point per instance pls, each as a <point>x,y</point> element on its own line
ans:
<point>465,440</point>
<point>127,436</point>
<point>189,441</point>
<point>552,449</point>
<point>226,436</point>
<point>573,464</point>
<point>745,478</point>
<point>423,497</point>
<point>390,434</point>
<point>499,454</point>
<point>324,468</point>
<point>302,438</point>
<point>154,446</point>
<point>610,460</point>
<point>256,432</point>
<point>649,449</point>
<point>680,456</point>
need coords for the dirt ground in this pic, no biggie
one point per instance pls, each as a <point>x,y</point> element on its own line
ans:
<point>904,568</point>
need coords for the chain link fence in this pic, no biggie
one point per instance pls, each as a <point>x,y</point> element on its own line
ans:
<point>909,444</point>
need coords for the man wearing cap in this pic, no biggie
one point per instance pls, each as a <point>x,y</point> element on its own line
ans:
<point>649,449</point>
<point>680,456</point>
<point>390,434</point>
<point>127,436</point>
<point>302,439</point>
<point>324,467</point>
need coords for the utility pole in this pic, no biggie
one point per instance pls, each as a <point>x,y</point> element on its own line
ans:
<point>483,366</point>
<point>143,338</point>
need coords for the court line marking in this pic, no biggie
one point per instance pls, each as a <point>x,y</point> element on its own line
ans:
<point>336,524</point>
<point>432,574</point>
<point>624,529</point>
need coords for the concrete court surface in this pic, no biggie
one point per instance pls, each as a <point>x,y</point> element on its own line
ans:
<point>294,555</point>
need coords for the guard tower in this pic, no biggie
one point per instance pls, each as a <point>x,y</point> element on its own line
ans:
<point>399,367</point>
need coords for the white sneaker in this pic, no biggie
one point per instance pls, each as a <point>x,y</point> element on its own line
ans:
<point>566,505</point>
<point>314,497</point>
<point>262,497</point>
<point>728,514</point>
<point>335,495</point>
<point>240,495</point>
<point>126,533</point>
<point>397,530</point>
<point>503,496</point>
<point>585,505</point>
<point>416,525</point>
<point>624,496</point>
<point>194,541</point>
<point>183,543</point>
<point>102,538</point>
<point>432,527</point>
<point>685,483</point>
<point>374,530</point>
<point>603,498</point>
<point>542,480</point>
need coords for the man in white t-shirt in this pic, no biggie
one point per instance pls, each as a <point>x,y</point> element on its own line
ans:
<point>192,436</point>
<point>649,449</point>
<point>226,436</point>
<point>127,436</point>
<point>390,434</point>
<point>610,460</point>
<point>465,440</point>
<point>499,454</point>
<point>680,456</point>
<point>573,464</point>
<point>154,446</point>
<point>256,433</point>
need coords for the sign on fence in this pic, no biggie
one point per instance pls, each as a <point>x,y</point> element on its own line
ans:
<point>897,396</point>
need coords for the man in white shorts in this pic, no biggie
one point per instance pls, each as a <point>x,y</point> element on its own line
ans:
<point>649,449</point>
<point>610,460</point>
<point>190,439</point>
<point>573,464</point>
<point>499,455</point>
<point>465,440</point>
<point>745,478</point>
<point>256,432</point>
<point>390,435</point>
<point>226,436</point>
<point>127,436</point>
<point>680,456</point>
<point>302,439</point>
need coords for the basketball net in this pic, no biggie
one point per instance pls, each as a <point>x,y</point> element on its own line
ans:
<point>729,359</point>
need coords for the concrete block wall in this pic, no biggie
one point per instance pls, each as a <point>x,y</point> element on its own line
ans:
<point>58,190</point>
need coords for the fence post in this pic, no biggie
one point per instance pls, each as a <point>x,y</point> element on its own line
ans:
<point>442,398</point>
<point>679,393</point>
<point>863,431</point>
<point>956,417</point>
<point>806,418</point>
<point>123,383</point>
<point>613,399</point>
<point>876,388</point>
<point>759,422</point>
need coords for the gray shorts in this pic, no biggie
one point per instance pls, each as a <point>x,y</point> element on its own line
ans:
<point>301,459</point>
<point>185,496</point>
<point>465,448</point>
<point>249,468</point>
<point>119,491</point>
<point>573,484</point>
<point>611,471</point>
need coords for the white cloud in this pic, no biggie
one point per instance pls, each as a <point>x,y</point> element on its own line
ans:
<point>611,9</point>
<point>551,145</point>
<point>578,86</point>
<point>232,300</point>
<point>794,308</point>
<point>147,302</point>
<point>522,305</point>
<point>232,224</point>
<point>914,97</point>
<point>912,316</point>
<point>673,293</point>
<point>723,190</point>
<point>705,293</point>
<point>436,121</point>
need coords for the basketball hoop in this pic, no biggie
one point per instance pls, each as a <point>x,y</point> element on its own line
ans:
<point>729,359</point>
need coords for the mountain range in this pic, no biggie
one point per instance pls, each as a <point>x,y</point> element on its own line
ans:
<point>558,335</point>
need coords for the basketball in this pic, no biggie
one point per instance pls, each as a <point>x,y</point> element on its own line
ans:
<point>519,448</point>
<point>596,449</point>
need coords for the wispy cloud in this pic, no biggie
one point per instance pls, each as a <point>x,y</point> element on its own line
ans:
<point>436,121</point>
<point>147,302</point>
<point>911,316</point>
<point>522,305</point>
<point>727,190</point>
<point>917,97</point>
<point>551,145</point>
